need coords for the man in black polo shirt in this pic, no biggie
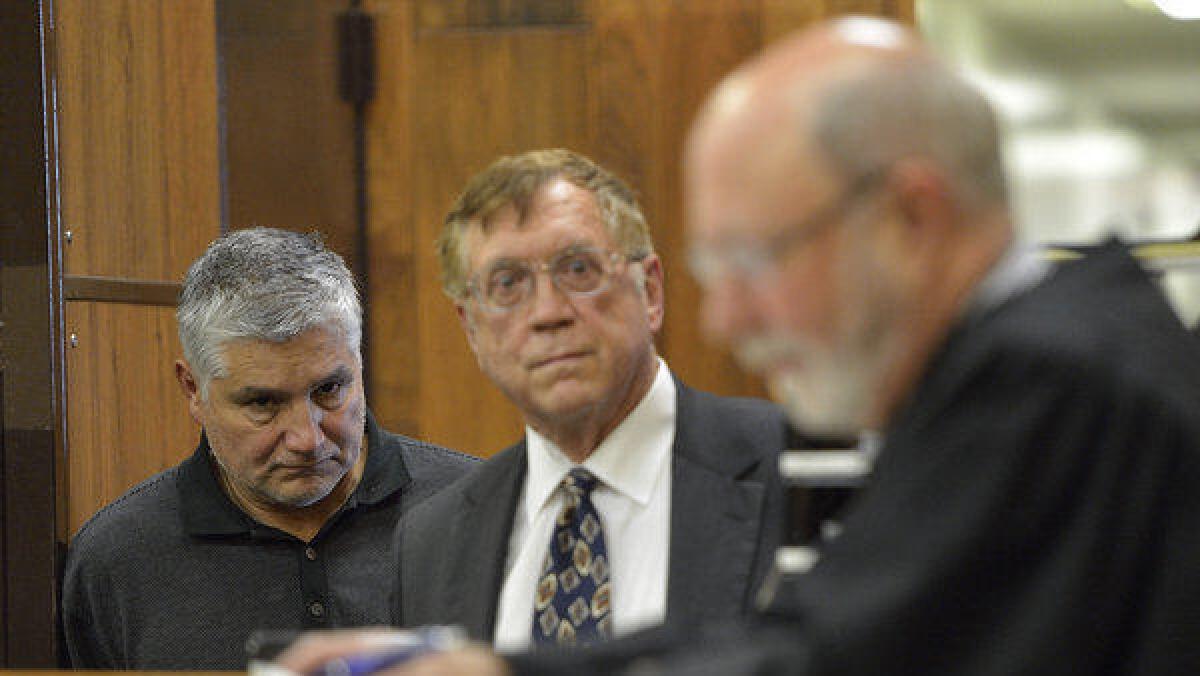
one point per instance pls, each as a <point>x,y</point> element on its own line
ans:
<point>283,516</point>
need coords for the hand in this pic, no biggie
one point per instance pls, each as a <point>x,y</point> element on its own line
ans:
<point>315,648</point>
<point>469,661</point>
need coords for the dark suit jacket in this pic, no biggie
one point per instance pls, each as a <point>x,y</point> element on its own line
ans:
<point>1035,509</point>
<point>725,514</point>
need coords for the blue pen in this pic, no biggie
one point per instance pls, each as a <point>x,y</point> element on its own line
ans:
<point>396,649</point>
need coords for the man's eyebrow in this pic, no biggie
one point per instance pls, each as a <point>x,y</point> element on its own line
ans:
<point>252,392</point>
<point>341,375</point>
<point>571,247</point>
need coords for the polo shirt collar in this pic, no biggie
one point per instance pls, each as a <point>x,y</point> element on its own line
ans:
<point>624,461</point>
<point>208,511</point>
<point>385,472</point>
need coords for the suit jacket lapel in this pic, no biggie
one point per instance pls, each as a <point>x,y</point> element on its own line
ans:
<point>716,521</point>
<point>482,533</point>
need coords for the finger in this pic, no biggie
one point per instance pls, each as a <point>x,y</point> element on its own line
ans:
<point>315,648</point>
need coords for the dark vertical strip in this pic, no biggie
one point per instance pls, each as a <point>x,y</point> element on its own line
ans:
<point>219,14</point>
<point>3,494</point>
<point>362,239</point>
<point>30,321</point>
<point>356,47</point>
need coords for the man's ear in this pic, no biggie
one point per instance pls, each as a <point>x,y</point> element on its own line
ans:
<point>652,287</point>
<point>924,198</point>
<point>191,390</point>
<point>467,323</point>
<point>923,224</point>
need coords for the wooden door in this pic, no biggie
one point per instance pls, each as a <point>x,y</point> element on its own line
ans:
<point>463,81</point>
<point>140,199</point>
<point>29,366</point>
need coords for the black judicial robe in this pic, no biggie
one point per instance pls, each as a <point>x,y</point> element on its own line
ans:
<point>1035,509</point>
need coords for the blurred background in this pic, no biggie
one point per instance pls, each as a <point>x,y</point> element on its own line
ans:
<point>136,131</point>
<point>1101,99</point>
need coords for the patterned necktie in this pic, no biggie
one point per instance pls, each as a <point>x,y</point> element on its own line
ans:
<point>572,603</point>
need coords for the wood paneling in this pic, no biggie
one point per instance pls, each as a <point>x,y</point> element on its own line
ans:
<point>394,379</point>
<point>289,138</point>
<point>120,290</point>
<point>464,81</point>
<point>140,179</point>
<point>498,14</point>
<point>465,97</point>
<point>729,32</point>
<point>30,355</point>
<point>138,133</point>
<point>127,418</point>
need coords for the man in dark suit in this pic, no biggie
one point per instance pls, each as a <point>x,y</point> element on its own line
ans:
<point>686,498</point>
<point>1034,507</point>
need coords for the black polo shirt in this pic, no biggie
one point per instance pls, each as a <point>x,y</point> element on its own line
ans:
<point>173,575</point>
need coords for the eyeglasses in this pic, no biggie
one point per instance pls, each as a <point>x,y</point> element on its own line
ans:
<point>577,271</point>
<point>752,261</point>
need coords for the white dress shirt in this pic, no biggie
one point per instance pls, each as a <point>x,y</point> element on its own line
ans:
<point>633,498</point>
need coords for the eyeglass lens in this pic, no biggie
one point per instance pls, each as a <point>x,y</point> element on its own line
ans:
<point>508,283</point>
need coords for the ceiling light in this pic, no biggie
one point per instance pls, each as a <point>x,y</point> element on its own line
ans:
<point>1183,10</point>
<point>1080,153</point>
<point>1019,99</point>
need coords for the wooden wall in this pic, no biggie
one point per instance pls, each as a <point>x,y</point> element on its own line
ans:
<point>142,102</point>
<point>463,81</point>
<point>136,102</point>
<point>140,198</point>
<point>145,90</point>
<point>289,139</point>
<point>30,370</point>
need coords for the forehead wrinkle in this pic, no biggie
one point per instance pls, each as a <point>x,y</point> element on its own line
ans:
<point>266,365</point>
<point>572,214</point>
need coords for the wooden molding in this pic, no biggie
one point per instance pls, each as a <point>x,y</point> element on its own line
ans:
<point>120,290</point>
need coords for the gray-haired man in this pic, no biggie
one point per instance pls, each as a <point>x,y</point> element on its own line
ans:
<point>283,516</point>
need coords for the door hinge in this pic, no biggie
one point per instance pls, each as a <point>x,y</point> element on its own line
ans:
<point>356,54</point>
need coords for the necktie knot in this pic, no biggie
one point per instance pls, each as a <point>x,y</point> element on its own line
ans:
<point>580,482</point>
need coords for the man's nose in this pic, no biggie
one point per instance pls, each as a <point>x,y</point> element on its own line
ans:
<point>550,306</point>
<point>302,432</point>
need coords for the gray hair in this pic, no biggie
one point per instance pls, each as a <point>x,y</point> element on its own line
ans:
<point>263,284</point>
<point>915,108</point>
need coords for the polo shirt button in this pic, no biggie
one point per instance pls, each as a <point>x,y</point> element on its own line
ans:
<point>316,609</point>
<point>310,553</point>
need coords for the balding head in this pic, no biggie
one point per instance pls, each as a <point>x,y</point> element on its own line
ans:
<point>844,194</point>
<point>855,95</point>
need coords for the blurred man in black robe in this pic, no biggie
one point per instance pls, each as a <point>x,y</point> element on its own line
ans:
<point>1034,507</point>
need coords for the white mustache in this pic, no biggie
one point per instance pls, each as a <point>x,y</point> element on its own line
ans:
<point>758,353</point>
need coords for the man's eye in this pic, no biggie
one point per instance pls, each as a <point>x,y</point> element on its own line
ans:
<point>260,403</point>
<point>505,279</point>
<point>579,272</point>
<point>260,409</point>
<point>506,285</point>
<point>577,266</point>
<point>330,395</point>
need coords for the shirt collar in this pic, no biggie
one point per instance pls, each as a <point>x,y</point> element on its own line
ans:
<point>629,460</point>
<point>207,509</point>
<point>385,472</point>
<point>1019,269</point>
